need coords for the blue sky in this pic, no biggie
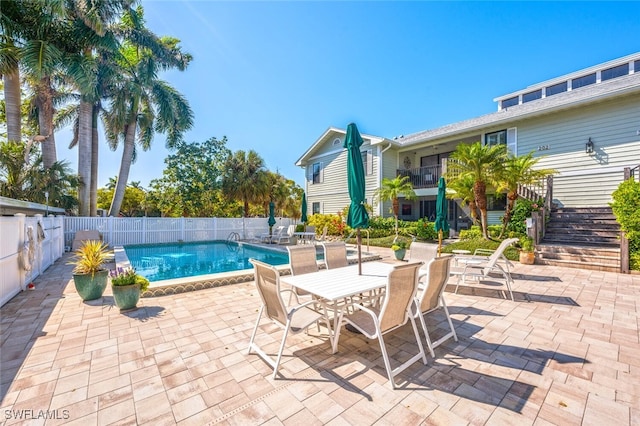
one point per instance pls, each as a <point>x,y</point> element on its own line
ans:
<point>273,76</point>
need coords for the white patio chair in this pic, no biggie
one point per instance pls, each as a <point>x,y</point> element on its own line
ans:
<point>275,233</point>
<point>481,267</point>
<point>424,252</point>
<point>285,236</point>
<point>395,311</point>
<point>293,319</point>
<point>335,254</point>
<point>431,298</point>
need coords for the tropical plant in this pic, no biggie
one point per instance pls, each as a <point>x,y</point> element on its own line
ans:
<point>244,178</point>
<point>90,257</point>
<point>143,104</point>
<point>518,171</point>
<point>462,188</point>
<point>484,164</point>
<point>526,244</point>
<point>391,190</point>
<point>399,245</point>
<point>626,208</point>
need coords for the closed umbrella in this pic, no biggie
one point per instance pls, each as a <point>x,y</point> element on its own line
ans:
<point>272,219</point>
<point>304,218</point>
<point>442,206</point>
<point>357,217</point>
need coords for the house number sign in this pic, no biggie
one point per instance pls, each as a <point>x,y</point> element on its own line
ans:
<point>543,147</point>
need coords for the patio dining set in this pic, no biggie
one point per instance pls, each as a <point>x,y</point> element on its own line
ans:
<point>375,302</point>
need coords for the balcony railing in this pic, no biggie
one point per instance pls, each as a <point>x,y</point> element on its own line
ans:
<point>422,177</point>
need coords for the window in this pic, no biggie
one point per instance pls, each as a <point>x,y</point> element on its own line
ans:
<point>636,66</point>
<point>614,72</point>
<point>315,208</point>
<point>367,162</point>
<point>316,173</point>
<point>336,141</point>
<point>508,137</point>
<point>583,81</point>
<point>496,138</point>
<point>496,201</point>
<point>406,210</point>
<point>556,88</point>
<point>532,96</point>
<point>506,103</point>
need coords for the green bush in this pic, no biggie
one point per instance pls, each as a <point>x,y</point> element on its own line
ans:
<point>521,211</point>
<point>510,252</point>
<point>626,208</point>
<point>333,222</point>
<point>471,234</point>
<point>425,230</point>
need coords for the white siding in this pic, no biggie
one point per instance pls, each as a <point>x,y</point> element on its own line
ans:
<point>586,180</point>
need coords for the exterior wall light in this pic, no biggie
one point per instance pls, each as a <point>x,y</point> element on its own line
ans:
<point>589,147</point>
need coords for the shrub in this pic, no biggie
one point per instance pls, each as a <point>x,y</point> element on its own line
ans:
<point>471,234</point>
<point>333,222</point>
<point>425,230</point>
<point>521,211</point>
<point>510,252</point>
<point>626,208</point>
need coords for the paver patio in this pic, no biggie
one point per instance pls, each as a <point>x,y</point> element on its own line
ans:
<point>566,352</point>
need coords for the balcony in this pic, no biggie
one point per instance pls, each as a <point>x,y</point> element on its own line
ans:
<point>422,177</point>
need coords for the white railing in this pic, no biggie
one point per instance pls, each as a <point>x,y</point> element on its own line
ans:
<point>28,246</point>
<point>118,231</point>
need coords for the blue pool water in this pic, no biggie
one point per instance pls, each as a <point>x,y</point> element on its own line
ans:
<point>168,261</point>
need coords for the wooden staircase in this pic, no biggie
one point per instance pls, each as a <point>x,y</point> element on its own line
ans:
<point>584,238</point>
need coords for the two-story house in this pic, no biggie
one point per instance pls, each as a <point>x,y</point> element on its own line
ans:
<point>585,124</point>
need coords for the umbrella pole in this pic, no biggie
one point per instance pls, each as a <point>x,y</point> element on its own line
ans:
<point>359,239</point>
<point>439,243</point>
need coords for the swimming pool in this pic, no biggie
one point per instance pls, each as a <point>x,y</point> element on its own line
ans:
<point>169,261</point>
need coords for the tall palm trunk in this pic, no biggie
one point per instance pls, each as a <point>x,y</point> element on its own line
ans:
<point>44,102</point>
<point>84,156</point>
<point>12,104</point>
<point>511,200</point>
<point>125,167</point>
<point>93,191</point>
<point>480,194</point>
<point>395,203</point>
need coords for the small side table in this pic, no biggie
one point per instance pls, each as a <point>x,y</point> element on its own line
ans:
<point>458,253</point>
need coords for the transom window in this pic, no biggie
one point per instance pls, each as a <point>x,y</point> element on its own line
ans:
<point>614,72</point>
<point>532,96</point>
<point>556,88</point>
<point>510,102</point>
<point>583,81</point>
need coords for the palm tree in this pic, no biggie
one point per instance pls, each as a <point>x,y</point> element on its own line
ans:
<point>392,189</point>
<point>244,178</point>
<point>483,163</point>
<point>463,190</point>
<point>143,104</point>
<point>9,68</point>
<point>518,171</point>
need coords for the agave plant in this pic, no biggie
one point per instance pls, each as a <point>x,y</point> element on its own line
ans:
<point>90,258</point>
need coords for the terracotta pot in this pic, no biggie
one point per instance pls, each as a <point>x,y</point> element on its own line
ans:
<point>527,257</point>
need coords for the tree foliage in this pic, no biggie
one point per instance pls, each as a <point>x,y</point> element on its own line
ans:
<point>626,208</point>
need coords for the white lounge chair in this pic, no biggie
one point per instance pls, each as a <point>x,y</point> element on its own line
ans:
<point>480,267</point>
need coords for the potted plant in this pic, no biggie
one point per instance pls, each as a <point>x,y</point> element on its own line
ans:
<point>127,286</point>
<point>399,248</point>
<point>527,254</point>
<point>89,275</point>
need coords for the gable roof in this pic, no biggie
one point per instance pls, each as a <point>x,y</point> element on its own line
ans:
<point>610,89</point>
<point>330,133</point>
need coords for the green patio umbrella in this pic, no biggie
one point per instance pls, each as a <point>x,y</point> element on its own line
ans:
<point>272,219</point>
<point>357,217</point>
<point>304,218</point>
<point>442,206</point>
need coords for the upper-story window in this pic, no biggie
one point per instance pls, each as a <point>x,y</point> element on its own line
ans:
<point>367,162</point>
<point>506,103</point>
<point>585,80</point>
<point>614,72</point>
<point>636,66</point>
<point>532,96</point>
<point>316,173</point>
<point>556,88</point>
<point>507,137</point>
<point>337,141</point>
